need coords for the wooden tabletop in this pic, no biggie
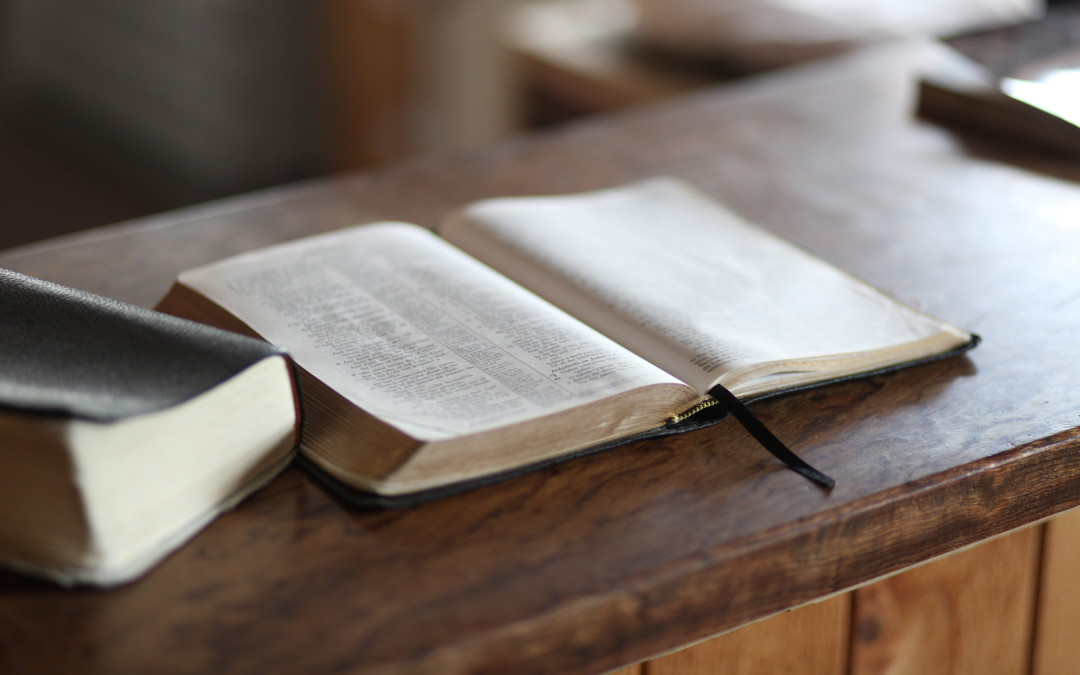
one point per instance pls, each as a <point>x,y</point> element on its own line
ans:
<point>603,561</point>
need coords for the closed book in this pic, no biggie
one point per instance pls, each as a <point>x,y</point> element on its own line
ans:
<point>123,430</point>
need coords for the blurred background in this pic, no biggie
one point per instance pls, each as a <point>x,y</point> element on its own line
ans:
<point>114,109</point>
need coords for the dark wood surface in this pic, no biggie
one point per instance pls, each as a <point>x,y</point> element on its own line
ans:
<point>603,561</point>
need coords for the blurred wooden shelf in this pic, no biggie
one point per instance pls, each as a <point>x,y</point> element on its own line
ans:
<point>576,56</point>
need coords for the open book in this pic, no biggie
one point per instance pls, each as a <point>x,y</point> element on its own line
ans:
<point>536,328</point>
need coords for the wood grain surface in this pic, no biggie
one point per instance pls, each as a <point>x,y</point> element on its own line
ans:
<point>971,612</point>
<point>605,561</point>
<point>810,640</point>
<point>1056,648</point>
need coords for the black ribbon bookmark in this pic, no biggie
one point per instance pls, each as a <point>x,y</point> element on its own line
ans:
<point>767,439</point>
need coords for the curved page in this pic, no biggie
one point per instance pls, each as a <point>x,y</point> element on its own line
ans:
<point>690,286</point>
<point>419,334</point>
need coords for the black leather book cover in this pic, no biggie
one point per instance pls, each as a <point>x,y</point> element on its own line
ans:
<point>71,353</point>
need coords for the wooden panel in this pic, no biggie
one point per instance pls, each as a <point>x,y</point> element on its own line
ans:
<point>1057,649</point>
<point>972,612</point>
<point>810,640</point>
<point>631,670</point>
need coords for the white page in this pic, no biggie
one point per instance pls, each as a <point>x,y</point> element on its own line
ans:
<point>681,280</point>
<point>417,333</point>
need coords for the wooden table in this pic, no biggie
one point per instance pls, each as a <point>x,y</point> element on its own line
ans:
<point>605,561</point>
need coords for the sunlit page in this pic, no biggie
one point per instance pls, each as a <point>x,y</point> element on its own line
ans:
<point>681,280</point>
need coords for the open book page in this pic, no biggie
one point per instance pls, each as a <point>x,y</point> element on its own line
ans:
<point>689,285</point>
<point>417,333</point>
